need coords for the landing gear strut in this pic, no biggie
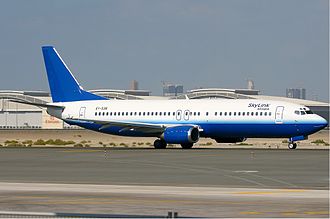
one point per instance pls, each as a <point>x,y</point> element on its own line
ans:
<point>160,144</point>
<point>292,145</point>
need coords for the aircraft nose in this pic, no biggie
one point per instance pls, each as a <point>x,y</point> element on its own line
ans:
<point>321,123</point>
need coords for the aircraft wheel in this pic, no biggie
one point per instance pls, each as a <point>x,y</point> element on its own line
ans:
<point>160,144</point>
<point>187,145</point>
<point>292,145</point>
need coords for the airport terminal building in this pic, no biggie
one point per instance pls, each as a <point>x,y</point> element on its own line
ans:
<point>21,116</point>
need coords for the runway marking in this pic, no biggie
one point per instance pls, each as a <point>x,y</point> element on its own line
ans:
<point>317,212</point>
<point>251,212</point>
<point>289,213</point>
<point>246,171</point>
<point>270,192</point>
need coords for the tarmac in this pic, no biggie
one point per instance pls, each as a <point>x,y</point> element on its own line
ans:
<point>193,183</point>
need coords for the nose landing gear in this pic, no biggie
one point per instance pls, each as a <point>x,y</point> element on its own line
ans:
<point>292,145</point>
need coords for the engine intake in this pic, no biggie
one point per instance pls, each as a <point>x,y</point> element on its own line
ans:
<point>181,134</point>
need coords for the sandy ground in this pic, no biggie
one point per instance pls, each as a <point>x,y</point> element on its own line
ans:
<point>94,139</point>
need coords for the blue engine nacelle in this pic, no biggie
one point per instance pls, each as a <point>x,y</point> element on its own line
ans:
<point>181,134</point>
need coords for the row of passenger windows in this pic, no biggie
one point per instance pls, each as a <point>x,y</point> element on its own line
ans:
<point>179,113</point>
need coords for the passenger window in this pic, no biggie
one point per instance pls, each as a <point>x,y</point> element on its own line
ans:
<point>103,113</point>
<point>220,113</point>
<point>95,113</point>
<point>99,113</point>
<point>247,113</point>
<point>156,113</point>
<point>131,113</point>
<point>225,113</point>
<point>135,113</point>
<point>173,113</point>
<point>144,113</point>
<point>160,113</point>
<point>239,113</point>
<point>260,113</point>
<point>152,113</point>
<point>269,113</point>
<point>139,113</point>
<point>107,113</point>
<point>168,113</point>
<point>234,113</point>
<point>199,113</point>
<point>251,113</point>
<point>207,113</point>
<point>215,113</point>
<point>110,113</point>
<point>243,113</point>
<point>256,113</point>
<point>229,113</point>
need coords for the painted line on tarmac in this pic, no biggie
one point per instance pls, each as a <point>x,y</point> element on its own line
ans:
<point>246,171</point>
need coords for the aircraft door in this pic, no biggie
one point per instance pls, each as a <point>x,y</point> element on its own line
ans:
<point>178,115</point>
<point>279,115</point>
<point>82,112</point>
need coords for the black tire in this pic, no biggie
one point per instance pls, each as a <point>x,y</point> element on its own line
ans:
<point>292,145</point>
<point>187,145</point>
<point>160,144</point>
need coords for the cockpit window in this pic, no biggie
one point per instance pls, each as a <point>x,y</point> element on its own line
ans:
<point>297,112</point>
<point>309,112</point>
<point>302,112</point>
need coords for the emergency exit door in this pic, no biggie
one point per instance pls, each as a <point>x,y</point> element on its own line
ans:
<point>279,114</point>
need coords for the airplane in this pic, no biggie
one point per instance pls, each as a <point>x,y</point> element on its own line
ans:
<point>177,121</point>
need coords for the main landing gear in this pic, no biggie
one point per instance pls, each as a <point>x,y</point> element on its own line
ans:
<point>187,145</point>
<point>292,145</point>
<point>160,144</point>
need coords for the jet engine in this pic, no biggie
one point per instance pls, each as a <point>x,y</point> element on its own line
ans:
<point>181,134</point>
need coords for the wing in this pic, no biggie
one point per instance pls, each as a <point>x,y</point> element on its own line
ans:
<point>132,126</point>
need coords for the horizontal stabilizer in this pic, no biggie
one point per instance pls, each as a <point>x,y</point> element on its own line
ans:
<point>42,105</point>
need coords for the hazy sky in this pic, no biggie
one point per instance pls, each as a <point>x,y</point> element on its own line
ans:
<point>204,43</point>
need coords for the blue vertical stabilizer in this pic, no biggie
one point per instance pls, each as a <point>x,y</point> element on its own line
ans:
<point>63,86</point>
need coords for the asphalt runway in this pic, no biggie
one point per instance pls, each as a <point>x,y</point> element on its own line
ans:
<point>194,183</point>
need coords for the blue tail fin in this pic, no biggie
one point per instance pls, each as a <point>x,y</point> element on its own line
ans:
<point>63,86</point>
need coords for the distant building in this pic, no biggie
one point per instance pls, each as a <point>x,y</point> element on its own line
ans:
<point>298,93</point>
<point>172,89</point>
<point>134,85</point>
